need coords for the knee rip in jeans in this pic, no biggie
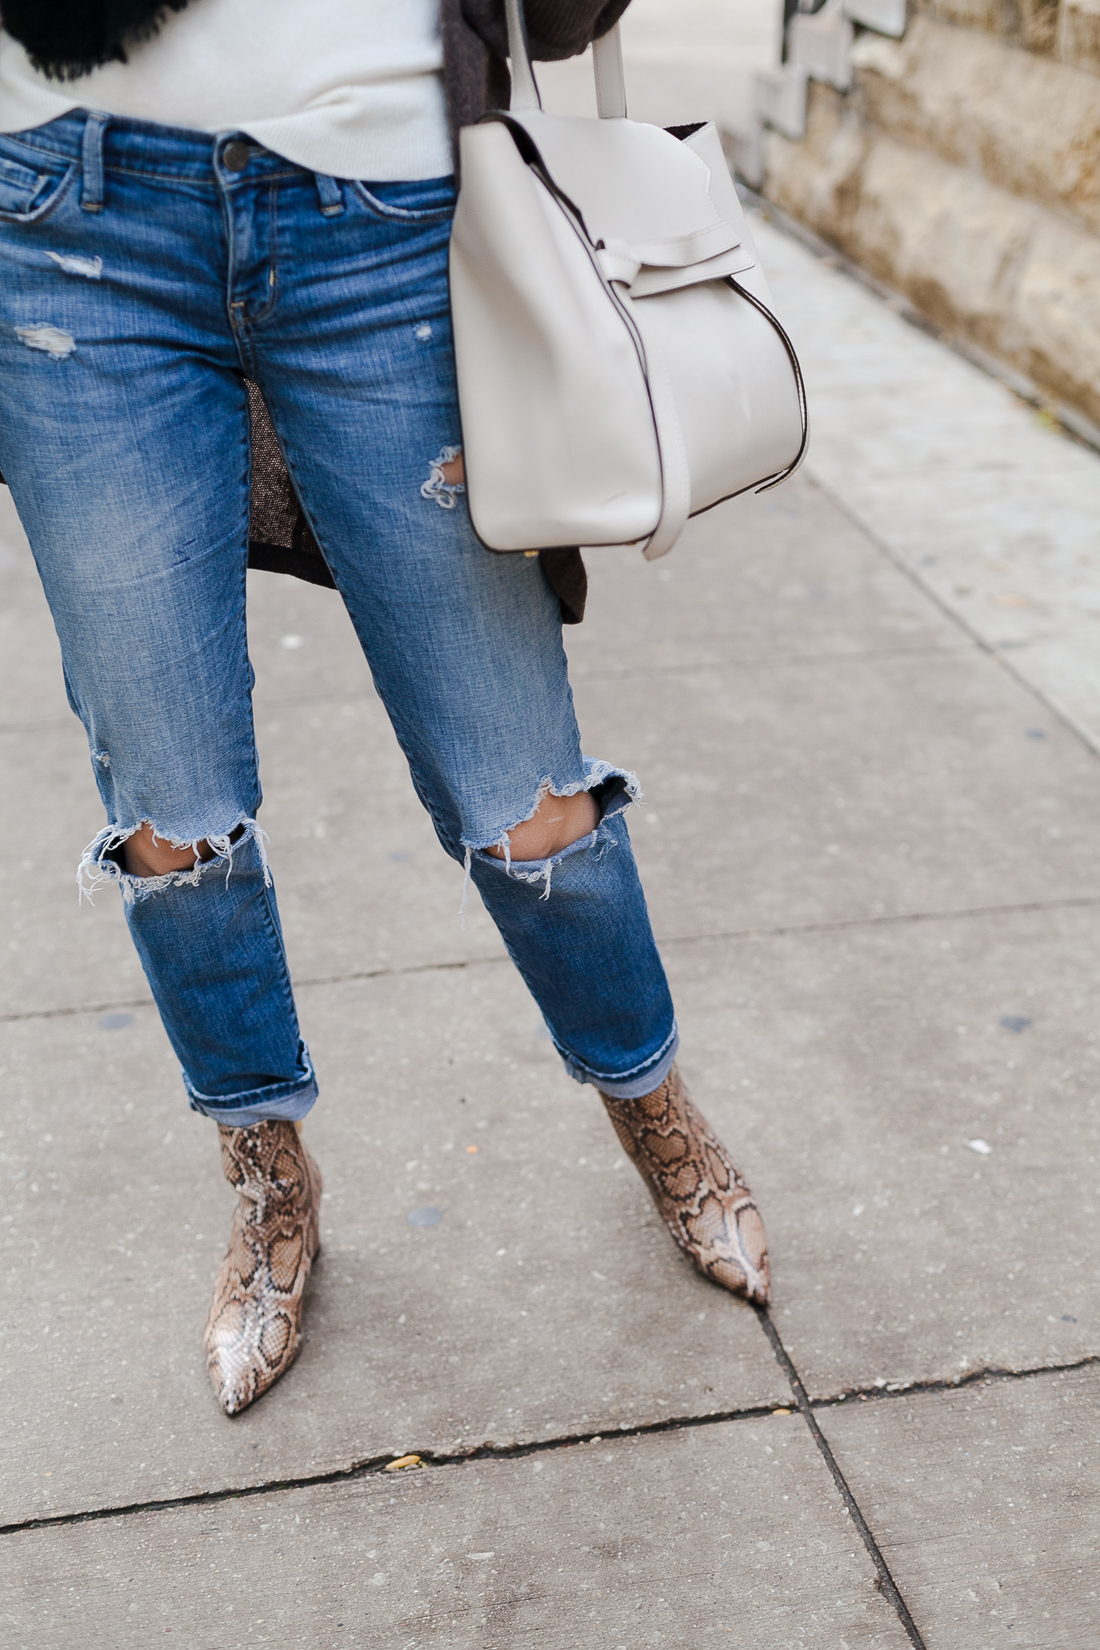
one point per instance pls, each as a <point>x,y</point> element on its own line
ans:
<point>613,790</point>
<point>447,478</point>
<point>101,863</point>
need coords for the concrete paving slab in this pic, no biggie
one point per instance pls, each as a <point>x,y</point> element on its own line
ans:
<point>760,807</point>
<point>833,1063</point>
<point>730,1534</point>
<point>918,1106</point>
<point>986,1504</point>
<point>836,790</point>
<point>546,1300</point>
<point>361,878</point>
<point>32,691</point>
<point>789,792</point>
<point>787,575</point>
<point>959,790</point>
<point>993,510</point>
<point>54,952</point>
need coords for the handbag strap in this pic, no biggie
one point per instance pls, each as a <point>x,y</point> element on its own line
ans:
<point>607,68</point>
<point>675,471</point>
<point>525,94</point>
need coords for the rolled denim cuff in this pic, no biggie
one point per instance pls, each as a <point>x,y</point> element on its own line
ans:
<point>278,1102</point>
<point>629,1085</point>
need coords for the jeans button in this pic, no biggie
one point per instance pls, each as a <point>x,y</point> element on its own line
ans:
<point>236,156</point>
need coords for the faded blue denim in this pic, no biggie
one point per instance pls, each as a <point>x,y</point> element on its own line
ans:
<point>140,281</point>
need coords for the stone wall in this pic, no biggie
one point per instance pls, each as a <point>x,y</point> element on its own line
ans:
<point>960,164</point>
<point>1067,30</point>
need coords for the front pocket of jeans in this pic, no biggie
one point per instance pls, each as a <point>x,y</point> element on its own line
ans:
<point>28,193</point>
<point>441,207</point>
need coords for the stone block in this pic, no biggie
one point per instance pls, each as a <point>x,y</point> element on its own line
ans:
<point>822,43</point>
<point>1032,24</point>
<point>781,99</point>
<point>1026,124</point>
<point>1081,35</point>
<point>884,16</point>
<point>1000,271</point>
<point>817,181</point>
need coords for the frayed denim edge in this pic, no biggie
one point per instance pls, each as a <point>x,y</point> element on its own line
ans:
<point>95,871</point>
<point>597,773</point>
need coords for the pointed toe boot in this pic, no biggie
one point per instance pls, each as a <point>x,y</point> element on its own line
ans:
<point>700,1193</point>
<point>254,1326</point>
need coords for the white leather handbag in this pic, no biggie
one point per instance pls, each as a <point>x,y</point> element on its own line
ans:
<point>620,367</point>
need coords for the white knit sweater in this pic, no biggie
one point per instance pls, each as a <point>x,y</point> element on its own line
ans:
<point>353,88</point>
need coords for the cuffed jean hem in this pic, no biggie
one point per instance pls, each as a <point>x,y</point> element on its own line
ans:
<point>280,1102</point>
<point>630,1085</point>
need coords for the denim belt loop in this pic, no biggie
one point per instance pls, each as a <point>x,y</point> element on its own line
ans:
<point>91,163</point>
<point>330,194</point>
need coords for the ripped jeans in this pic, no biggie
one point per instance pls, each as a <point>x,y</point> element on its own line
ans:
<point>141,278</point>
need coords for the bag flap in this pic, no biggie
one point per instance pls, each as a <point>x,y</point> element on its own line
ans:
<point>650,281</point>
<point>656,197</point>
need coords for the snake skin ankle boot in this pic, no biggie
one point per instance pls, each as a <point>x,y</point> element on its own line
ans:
<point>696,1186</point>
<point>254,1326</point>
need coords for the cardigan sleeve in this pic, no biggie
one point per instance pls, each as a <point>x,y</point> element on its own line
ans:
<point>555,28</point>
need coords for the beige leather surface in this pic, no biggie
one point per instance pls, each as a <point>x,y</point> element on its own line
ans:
<point>732,386</point>
<point>556,421</point>
<point>612,380</point>
<point>634,183</point>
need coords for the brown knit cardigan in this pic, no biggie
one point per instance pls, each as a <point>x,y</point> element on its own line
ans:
<point>66,37</point>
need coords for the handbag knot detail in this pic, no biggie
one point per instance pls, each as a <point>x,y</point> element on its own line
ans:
<point>618,261</point>
<point>620,365</point>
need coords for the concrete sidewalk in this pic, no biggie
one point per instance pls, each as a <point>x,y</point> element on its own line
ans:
<point>869,840</point>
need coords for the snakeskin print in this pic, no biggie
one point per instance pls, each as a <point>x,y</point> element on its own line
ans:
<point>699,1192</point>
<point>254,1326</point>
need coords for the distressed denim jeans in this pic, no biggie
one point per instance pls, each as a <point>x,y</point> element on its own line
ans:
<point>141,280</point>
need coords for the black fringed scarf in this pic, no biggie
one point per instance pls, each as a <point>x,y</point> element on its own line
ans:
<point>67,38</point>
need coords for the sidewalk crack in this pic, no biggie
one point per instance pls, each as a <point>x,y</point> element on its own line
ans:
<point>1081,902</point>
<point>377,1464</point>
<point>488,1451</point>
<point>885,1582</point>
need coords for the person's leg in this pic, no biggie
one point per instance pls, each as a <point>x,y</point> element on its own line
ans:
<point>465,647</point>
<point>126,449</point>
<point>355,362</point>
<point>124,439</point>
